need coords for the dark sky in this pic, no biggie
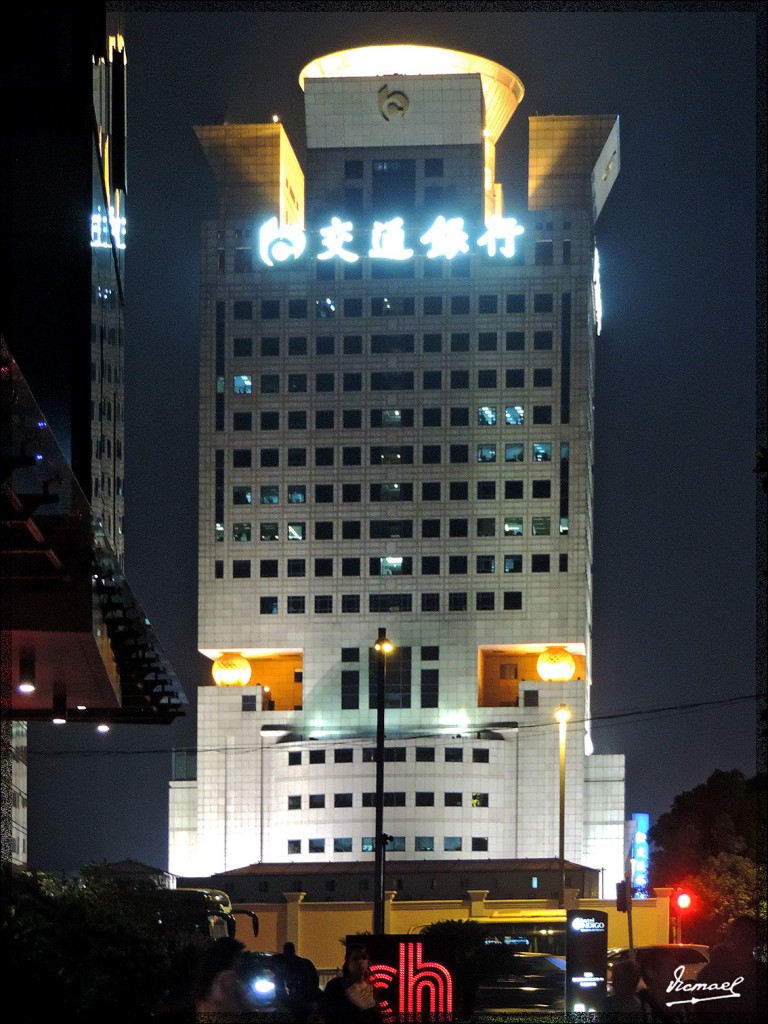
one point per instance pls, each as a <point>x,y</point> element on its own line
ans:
<point>675,491</point>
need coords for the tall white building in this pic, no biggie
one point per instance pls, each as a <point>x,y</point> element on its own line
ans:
<point>396,432</point>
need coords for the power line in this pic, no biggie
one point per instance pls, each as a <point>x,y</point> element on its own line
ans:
<point>641,714</point>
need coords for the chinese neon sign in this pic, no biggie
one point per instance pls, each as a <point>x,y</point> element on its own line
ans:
<point>445,238</point>
<point>639,856</point>
<point>107,228</point>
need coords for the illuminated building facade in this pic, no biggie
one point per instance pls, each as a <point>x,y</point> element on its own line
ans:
<point>76,644</point>
<point>396,432</point>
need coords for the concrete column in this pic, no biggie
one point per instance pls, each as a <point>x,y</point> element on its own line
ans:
<point>477,898</point>
<point>293,917</point>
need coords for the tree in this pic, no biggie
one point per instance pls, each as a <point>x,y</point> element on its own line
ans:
<point>475,957</point>
<point>91,948</point>
<point>719,816</point>
<point>725,888</point>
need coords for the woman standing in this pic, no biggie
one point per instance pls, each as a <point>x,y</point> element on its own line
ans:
<point>350,999</point>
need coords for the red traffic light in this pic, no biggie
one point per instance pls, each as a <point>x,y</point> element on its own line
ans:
<point>682,901</point>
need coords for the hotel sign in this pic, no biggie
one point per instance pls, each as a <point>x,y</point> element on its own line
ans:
<point>414,978</point>
<point>445,238</point>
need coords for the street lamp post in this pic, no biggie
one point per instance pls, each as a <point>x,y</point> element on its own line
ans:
<point>562,715</point>
<point>383,647</point>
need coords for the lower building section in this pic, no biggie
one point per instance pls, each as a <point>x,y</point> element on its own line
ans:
<point>272,787</point>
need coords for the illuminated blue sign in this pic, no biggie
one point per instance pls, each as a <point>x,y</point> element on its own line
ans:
<point>445,238</point>
<point>640,857</point>
<point>106,228</point>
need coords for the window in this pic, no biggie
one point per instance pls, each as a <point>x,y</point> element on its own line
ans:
<point>542,377</point>
<point>530,698</point>
<point>242,347</point>
<point>543,302</point>
<point>487,341</point>
<point>353,307</point>
<point>350,603</point>
<point>516,303</point>
<point>241,494</point>
<point>513,489</point>
<point>241,458</point>
<point>317,846</point>
<point>430,454</point>
<point>458,528</point>
<point>480,755</point>
<point>430,528</point>
<point>542,341</point>
<point>459,304</point>
<point>297,383</point>
<point>294,757</point>
<point>425,799</point>
<point>350,567</point>
<point>486,564</point>
<point>425,754</point>
<point>323,567</point>
<point>294,803</point>
<point>513,453</point>
<point>351,456</point>
<point>343,755</point>
<point>459,490</point>
<point>479,844</point>
<point>351,494</point>
<point>485,601</point>
<point>452,844</point>
<point>324,456</point>
<point>324,382</point>
<point>393,305</point>
<point>242,421</point>
<point>542,452</point>
<point>479,799</point>
<point>513,600</point>
<point>367,844</point>
<point>430,565</point>
<point>324,494</point>
<point>243,310</point>
<point>352,345</point>
<point>269,458</point>
<point>539,563</point>
<point>242,384</point>
<point>294,846</point>
<point>316,801</point>
<point>513,526</point>
<point>270,346</point>
<point>352,419</point>
<point>541,488</point>
<point>458,453</point>
<point>295,605</point>
<point>563,563</point>
<point>392,380</point>
<point>268,568</point>
<point>241,569</point>
<point>515,341</point>
<point>541,526</point>
<point>352,381</point>
<point>297,309</point>
<point>514,416</point>
<point>486,490</point>
<point>424,844</point>
<point>459,380</point>
<point>241,532</point>
<point>430,687</point>
<point>486,415</point>
<point>269,531</point>
<point>297,456</point>
<point>433,305</point>
<point>432,380</point>
<point>457,565</point>
<point>486,378</point>
<point>486,453</point>
<point>430,602</point>
<point>515,378</point>
<point>270,309</point>
<point>432,417</point>
<point>513,563</point>
<point>544,254</point>
<point>350,689</point>
<point>432,342</point>
<point>296,531</point>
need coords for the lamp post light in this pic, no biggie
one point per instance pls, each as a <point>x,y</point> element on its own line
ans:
<point>562,715</point>
<point>383,647</point>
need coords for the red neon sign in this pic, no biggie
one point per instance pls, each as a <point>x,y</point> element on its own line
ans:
<point>424,987</point>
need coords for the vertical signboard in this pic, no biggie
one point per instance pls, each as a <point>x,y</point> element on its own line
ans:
<point>586,956</point>
<point>414,977</point>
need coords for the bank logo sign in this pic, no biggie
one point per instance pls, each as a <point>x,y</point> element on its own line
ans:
<point>445,238</point>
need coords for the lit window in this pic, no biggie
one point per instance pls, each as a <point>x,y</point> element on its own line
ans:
<point>297,495</point>
<point>486,415</point>
<point>242,384</point>
<point>269,494</point>
<point>514,416</point>
<point>513,563</point>
<point>241,532</point>
<point>540,526</point>
<point>513,526</point>
<point>296,531</point>
<point>513,453</point>
<point>542,452</point>
<point>269,531</point>
<point>424,844</point>
<point>486,453</point>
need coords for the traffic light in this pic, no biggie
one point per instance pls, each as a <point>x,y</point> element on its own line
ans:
<point>621,897</point>
<point>682,901</point>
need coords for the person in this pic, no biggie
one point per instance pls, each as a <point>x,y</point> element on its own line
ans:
<point>734,967</point>
<point>297,983</point>
<point>219,988</point>
<point>623,1003</point>
<point>350,998</point>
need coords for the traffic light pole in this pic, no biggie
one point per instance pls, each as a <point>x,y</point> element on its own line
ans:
<point>628,883</point>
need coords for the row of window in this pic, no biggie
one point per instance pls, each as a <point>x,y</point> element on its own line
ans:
<point>485,601</point>
<point>399,565</point>
<point>400,454</point>
<point>316,801</point>
<point>431,490</point>
<point>541,526</point>
<point>383,344</point>
<point>387,380</point>
<point>346,755</point>
<point>326,307</point>
<point>395,844</point>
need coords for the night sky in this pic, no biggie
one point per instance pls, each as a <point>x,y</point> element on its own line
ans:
<point>675,491</point>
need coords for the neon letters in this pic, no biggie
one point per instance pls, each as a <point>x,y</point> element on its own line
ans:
<point>423,987</point>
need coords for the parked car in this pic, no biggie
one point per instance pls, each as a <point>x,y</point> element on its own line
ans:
<point>536,980</point>
<point>258,971</point>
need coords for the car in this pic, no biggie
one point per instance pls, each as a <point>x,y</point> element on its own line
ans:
<point>535,981</point>
<point>259,973</point>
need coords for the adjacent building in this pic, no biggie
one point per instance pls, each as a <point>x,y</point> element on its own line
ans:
<point>396,434</point>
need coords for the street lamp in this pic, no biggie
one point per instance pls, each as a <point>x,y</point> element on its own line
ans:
<point>383,647</point>
<point>562,715</point>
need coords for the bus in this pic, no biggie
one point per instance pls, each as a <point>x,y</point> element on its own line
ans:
<point>200,912</point>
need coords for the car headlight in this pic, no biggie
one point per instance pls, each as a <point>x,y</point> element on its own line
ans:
<point>263,986</point>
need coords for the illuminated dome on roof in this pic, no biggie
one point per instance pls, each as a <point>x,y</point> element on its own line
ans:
<point>502,90</point>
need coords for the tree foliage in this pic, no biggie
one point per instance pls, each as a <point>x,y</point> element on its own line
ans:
<point>725,888</point>
<point>90,948</point>
<point>719,816</point>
